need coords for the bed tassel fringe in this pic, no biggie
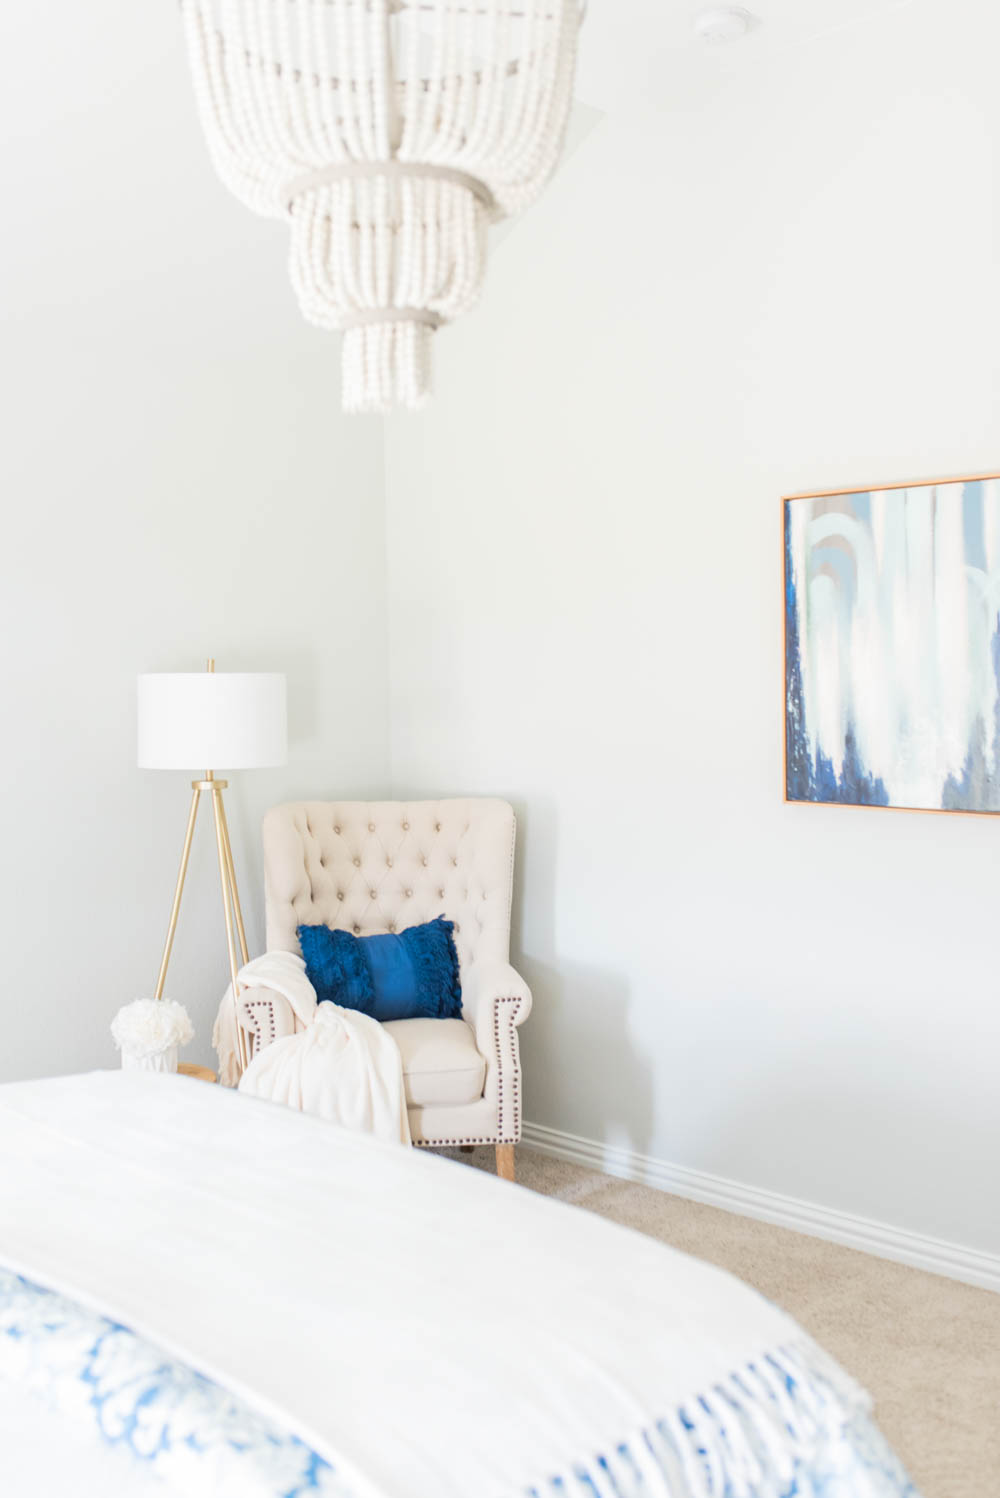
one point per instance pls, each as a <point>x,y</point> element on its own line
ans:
<point>791,1424</point>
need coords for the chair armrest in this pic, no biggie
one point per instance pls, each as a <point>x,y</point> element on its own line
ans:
<point>487,987</point>
<point>267,1014</point>
<point>495,1000</point>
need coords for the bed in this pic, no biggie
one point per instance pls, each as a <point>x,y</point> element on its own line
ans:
<point>205,1294</point>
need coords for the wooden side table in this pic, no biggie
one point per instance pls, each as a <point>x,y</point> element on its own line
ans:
<point>200,1073</point>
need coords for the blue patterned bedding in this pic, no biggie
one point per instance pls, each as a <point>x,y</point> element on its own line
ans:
<point>116,1389</point>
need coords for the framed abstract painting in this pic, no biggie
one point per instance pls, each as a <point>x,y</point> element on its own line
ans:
<point>892,646</point>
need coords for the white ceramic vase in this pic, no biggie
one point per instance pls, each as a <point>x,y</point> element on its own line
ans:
<point>160,1061</point>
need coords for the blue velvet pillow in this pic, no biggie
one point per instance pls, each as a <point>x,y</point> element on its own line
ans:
<point>414,974</point>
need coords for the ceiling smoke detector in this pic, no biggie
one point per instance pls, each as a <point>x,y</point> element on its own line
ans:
<point>723,23</point>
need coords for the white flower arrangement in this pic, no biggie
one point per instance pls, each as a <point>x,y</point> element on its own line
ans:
<point>151,1027</point>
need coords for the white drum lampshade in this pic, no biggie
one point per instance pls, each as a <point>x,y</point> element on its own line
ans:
<point>222,720</point>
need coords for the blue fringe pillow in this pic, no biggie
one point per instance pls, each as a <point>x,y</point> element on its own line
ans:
<point>409,976</point>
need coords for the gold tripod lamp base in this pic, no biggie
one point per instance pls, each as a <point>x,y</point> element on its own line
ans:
<point>232,718</point>
<point>232,911</point>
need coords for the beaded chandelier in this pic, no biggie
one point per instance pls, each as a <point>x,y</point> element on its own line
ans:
<point>390,134</point>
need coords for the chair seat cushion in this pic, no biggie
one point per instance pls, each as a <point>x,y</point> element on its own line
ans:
<point>440,1062</point>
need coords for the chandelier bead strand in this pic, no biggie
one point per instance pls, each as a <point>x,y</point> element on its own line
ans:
<point>389,134</point>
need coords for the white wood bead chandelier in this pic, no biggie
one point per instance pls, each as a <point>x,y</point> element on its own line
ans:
<point>390,134</point>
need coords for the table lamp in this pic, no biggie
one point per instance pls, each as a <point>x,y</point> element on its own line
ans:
<point>233,720</point>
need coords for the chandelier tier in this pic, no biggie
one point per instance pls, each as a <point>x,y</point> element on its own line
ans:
<point>390,134</point>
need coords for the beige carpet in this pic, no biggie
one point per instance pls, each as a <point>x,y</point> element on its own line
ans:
<point>927,1348</point>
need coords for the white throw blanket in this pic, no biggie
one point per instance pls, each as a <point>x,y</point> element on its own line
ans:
<point>285,972</point>
<point>424,1327</point>
<point>343,1066</point>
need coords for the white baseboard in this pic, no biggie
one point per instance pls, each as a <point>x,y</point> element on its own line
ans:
<point>951,1259</point>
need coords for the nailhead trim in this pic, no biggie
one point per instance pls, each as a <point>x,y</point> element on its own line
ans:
<point>251,1006</point>
<point>513,1065</point>
<point>430,1144</point>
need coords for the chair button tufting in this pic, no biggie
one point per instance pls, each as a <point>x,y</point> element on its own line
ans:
<point>357,863</point>
<point>440,894</point>
<point>388,863</point>
<point>371,826</point>
<point>340,894</point>
<point>356,930</point>
<point>371,894</point>
<point>437,826</point>
<point>406,826</point>
<point>392,927</point>
<point>337,831</point>
<point>408,893</point>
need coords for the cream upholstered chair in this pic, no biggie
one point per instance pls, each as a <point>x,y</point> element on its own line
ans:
<point>375,866</point>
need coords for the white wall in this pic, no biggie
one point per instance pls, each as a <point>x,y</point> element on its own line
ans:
<point>790,285</point>
<point>177,481</point>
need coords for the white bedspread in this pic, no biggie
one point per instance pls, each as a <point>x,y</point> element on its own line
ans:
<point>433,1332</point>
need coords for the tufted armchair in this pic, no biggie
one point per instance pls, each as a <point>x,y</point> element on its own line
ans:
<point>374,866</point>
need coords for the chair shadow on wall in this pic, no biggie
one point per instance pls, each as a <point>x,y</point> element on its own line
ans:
<point>583,1072</point>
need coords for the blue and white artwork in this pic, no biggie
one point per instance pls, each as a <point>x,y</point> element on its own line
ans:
<point>892,647</point>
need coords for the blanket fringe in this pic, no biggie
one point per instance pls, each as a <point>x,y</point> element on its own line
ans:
<point>224,1041</point>
<point>781,1426</point>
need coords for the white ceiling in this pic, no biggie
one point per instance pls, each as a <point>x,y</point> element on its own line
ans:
<point>643,53</point>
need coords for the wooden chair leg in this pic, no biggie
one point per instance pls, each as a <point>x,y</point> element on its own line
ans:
<point>505,1161</point>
